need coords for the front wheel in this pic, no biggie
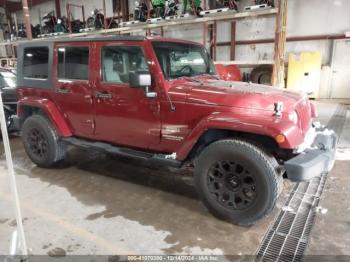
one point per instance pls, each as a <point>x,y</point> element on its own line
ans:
<point>237,181</point>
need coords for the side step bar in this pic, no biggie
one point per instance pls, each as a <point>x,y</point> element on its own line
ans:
<point>169,160</point>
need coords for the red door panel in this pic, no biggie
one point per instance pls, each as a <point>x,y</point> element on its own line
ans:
<point>124,115</point>
<point>73,91</point>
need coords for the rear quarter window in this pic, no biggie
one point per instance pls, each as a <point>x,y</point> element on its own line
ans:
<point>35,62</point>
<point>34,65</point>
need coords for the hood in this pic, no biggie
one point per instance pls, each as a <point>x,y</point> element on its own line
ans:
<point>235,94</point>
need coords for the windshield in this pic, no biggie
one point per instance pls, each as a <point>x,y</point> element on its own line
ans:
<point>183,60</point>
<point>7,79</point>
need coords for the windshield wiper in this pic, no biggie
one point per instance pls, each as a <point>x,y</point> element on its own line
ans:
<point>189,78</point>
<point>213,76</point>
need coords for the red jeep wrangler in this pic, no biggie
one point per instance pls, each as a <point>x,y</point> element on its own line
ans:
<point>159,99</point>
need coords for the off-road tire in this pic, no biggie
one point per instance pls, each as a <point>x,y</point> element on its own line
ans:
<point>262,75</point>
<point>261,166</point>
<point>55,149</point>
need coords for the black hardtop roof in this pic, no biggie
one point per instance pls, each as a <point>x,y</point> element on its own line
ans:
<point>38,42</point>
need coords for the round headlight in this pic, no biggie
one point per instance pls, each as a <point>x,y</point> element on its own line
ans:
<point>293,117</point>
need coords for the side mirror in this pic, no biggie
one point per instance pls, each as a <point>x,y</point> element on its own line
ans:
<point>142,79</point>
<point>139,79</point>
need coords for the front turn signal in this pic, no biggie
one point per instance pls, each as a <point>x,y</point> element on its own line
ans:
<point>280,139</point>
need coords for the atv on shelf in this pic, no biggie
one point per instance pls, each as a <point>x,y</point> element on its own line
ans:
<point>160,99</point>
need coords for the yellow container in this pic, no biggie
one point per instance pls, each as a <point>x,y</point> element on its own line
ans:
<point>304,72</point>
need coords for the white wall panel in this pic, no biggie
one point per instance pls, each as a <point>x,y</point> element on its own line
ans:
<point>43,9</point>
<point>188,32</point>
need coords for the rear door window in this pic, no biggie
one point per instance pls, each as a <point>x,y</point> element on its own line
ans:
<point>73,63</point>
<point>35,62</point>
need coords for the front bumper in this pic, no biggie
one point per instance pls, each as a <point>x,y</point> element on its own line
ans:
<point>315,160</point>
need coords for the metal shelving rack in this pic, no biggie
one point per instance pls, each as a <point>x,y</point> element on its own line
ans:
<point>210,25</point>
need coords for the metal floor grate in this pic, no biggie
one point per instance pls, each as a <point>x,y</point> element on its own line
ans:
<point>287,238</point>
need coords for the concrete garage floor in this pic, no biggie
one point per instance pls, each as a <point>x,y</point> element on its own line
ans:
<point>103,205</point>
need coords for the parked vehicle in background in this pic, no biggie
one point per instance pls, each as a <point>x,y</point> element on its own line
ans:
<point>228,72</point>
<point>8,93</point>
<point>160,100</point>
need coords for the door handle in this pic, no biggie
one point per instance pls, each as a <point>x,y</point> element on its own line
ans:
<point>103,95</point>
<point>63,90</point>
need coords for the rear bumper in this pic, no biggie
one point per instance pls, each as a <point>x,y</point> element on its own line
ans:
<point>15,124</point>
<point>315,160</point>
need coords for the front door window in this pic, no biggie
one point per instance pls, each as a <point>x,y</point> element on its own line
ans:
<point>119,61</point>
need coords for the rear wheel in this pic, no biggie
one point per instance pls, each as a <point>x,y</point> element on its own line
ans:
<point>41,142</point>
<point>237,181</point>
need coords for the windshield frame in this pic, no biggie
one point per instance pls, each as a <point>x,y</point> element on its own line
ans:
<point>210,68</point>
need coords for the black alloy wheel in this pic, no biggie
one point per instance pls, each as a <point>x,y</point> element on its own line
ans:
<point>232,185</point>
<point>237,180</point>
<point>38,143</point>
<point>41,141</point>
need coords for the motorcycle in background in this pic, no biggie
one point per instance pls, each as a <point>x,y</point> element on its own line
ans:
<point>193,7</point>
<point>61,26</point>
<point>36,31</point>
<point>158,8</point>
<point>50,22</point>
<point>141,11</point>
<point>171,8</point>
<point>76,25</point>
<point>21,33</point>
<point>112,23</point>
<point>96,20</point>
<point>216,4</point>
<point>265,2</point>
